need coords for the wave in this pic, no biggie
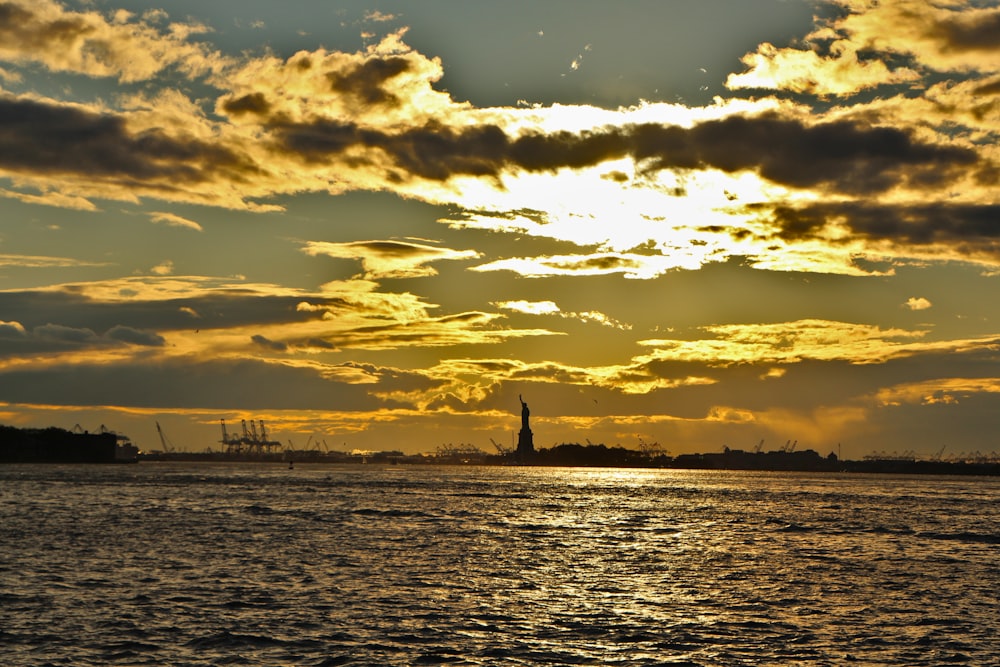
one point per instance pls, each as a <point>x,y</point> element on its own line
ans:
<point>392,513</point>
<point>245,567</point>
<point>972,538</point>
<point>227,641</point>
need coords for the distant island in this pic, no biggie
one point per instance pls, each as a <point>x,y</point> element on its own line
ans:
<point>602,456</point>
<point>806,460</point>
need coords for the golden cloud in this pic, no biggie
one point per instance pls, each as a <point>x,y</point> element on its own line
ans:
<point>389,259</point>
<point>842,73</point>
<point>90,43</point>
<point>174,220</point>
<point>792,342</point>
<point>952,37</point>
<point>937,390</point>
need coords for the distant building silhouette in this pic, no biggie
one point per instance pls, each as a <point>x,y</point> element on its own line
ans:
<point>525,443</point>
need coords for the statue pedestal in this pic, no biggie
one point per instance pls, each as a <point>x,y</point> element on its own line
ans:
<point>525,443</point>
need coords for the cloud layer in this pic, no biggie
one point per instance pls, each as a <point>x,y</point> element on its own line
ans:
<point>693,267</point>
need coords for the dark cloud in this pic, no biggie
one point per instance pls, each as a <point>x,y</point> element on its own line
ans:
<point>85,322</point>
<point>223,308</point>
<point>396,249</point>
<point>438,152</point>
<point>318,140</point>
<point>359,85</point>
<point>600,262</point>
<point>320,344</point>
<point>135,336</point>
<point>241,385</point>
<point>960,34</point>
<point>434,151</point>
<point>843,156</point>
<point>988,88</point>
<point>16,339</point>
<point>41,137</point>
<point>57,333</point>
<point>538,152</point>
<point>392,248</point>
<point>471,317</point>
<point>365,84</point>
<point>268,344</point>
<point>397,259</point>
<point>914,224</point>
<point>255,103</point>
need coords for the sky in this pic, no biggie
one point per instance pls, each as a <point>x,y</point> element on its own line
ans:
<point>375,225</point>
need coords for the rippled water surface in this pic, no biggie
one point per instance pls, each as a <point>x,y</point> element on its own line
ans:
<point>246,564</point>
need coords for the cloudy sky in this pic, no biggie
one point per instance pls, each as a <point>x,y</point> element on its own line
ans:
<point>375,224</point>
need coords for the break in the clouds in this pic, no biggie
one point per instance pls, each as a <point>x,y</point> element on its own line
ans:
<point>752,250</point>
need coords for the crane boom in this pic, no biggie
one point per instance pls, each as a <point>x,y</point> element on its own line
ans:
<point>163,439</point>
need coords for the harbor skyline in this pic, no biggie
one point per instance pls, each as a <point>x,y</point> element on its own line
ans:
<point>697,223</point>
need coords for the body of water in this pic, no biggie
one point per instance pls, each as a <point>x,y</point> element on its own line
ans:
<point>254,564</point>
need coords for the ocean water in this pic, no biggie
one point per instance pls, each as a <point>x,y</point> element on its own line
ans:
<point>256,564</point>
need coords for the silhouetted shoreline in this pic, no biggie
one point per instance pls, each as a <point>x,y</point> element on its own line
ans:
<point>54,445</point>
<point>601,456</point>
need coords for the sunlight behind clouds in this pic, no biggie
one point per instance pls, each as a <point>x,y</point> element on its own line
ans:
<point>531,307</point>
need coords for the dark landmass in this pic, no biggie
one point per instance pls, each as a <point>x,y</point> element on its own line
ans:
<point>601,456</point>
<point>56,445</point>
<point>806,460</point>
